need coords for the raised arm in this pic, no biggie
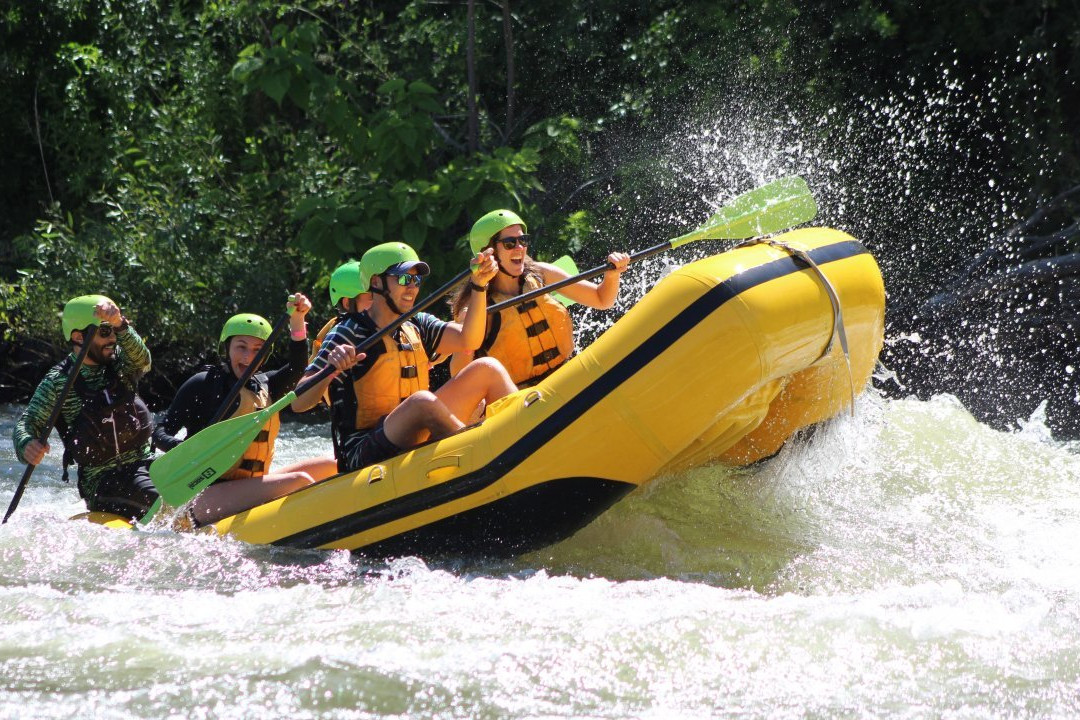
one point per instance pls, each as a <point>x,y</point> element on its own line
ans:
<point>468,334</point>
<point>586,292</point>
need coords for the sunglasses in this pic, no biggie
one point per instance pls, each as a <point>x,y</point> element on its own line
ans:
<point>409,280</point>
<point>512,242</point>
<point>104,331</point>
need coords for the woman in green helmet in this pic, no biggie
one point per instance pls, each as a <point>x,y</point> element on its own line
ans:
<point>250,482</point>
<point>534,338</point>
<point>381,401</point>
<point>103,423</point>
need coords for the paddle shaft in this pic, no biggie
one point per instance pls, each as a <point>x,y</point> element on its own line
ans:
<point>389,328</point>
<point>253,368</point>
<point>88,338</point>
<point>587,275</point>
<point>774,206</point>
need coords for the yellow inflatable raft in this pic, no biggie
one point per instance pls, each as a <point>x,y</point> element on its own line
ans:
<point>722,360</point>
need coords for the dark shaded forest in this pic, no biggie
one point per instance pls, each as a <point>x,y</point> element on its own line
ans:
<point>197,159</point>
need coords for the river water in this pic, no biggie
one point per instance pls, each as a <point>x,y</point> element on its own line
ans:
<point>907,562</point>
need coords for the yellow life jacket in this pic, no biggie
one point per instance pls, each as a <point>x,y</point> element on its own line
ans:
<point>255,462</point>
<point>316,344</point>
<point>394,375</point>
<point>530,339</point>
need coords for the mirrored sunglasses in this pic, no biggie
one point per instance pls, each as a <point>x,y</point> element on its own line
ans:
<point>406,280</point>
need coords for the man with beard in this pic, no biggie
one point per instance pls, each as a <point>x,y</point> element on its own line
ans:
<point>104,425</point>
<point>380,400</point>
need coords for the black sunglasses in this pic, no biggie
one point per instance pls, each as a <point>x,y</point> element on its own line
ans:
<point>104,331</point>
<point>512,242</point>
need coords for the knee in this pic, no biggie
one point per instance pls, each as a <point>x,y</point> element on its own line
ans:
<point>422,397</point>
<point>488,366</point>
<point>303,478</point>
<point>422,401</point>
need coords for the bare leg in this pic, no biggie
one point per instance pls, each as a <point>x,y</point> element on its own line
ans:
<point>420,416</point>
<point>230,497</point>
<point>483,379</point>
<point>438,415</point>
<point>319,468</point>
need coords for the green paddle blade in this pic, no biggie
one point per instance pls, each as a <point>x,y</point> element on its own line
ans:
<point>770,208</point>
<point>567,265</point>
<point>189,468</point>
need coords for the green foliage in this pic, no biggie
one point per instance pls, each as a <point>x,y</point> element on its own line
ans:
<point>387,175</point>
<point>196,159</point>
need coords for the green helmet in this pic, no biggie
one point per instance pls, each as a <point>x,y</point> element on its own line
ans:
<point>79,313</point>
<point>246,324</point>
<point>392,255</point>
<point>346,282</point>
<point>491,225</point>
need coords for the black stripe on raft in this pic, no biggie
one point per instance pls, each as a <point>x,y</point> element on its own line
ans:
<point>525,446</point>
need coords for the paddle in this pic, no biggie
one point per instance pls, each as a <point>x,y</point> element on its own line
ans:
<point>260,356</point>
<point>88,338</point>
<point>387,329</point>
<point>190,467</point>
<point>770,208</point>
<point>568,266</point>
<point>171,473</point>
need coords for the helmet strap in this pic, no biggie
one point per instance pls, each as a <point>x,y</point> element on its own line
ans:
<point>386,295</point>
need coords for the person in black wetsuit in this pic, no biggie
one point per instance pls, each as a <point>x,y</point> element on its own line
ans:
<point>249,482</point>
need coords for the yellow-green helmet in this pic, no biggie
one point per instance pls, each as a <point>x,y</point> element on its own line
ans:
<point>246,324</point>
<point>79,313</point>
<point>346,282</point>
<point>491,225</point>
<point>396,256</point>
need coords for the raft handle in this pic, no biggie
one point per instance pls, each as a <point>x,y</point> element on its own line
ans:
<point>838,331</point>
<point>531,397</point>
<point>375,474</point>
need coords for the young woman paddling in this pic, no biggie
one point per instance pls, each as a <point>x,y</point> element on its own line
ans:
<point>533,338</point>
<point>250,482</point>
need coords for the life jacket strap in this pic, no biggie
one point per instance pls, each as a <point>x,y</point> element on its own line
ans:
<point>252,465</point>
<point>546,356</point>
<point>537,328</point>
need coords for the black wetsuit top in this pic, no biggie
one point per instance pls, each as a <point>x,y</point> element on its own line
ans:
<point>201,395</point>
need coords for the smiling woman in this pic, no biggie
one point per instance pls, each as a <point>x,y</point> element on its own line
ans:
<point>533,340</point>
<point>250,481</point>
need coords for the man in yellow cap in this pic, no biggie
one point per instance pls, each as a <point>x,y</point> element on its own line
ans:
<point>104,424</point>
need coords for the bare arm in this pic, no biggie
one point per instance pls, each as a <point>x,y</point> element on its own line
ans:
<point>342,357</point>
<point>600,296</point>
<point>469,333</point>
